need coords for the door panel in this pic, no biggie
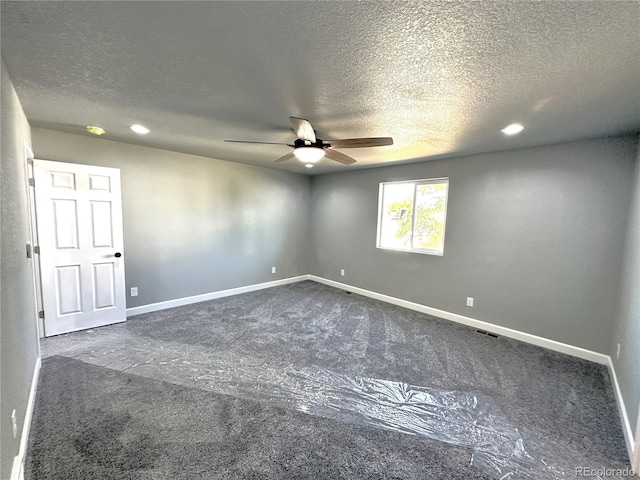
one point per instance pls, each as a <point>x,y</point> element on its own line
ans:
<point>63,180</point>
<point>99,183</point>
<point>104,285</point>
<point>101,224</point>
<point>79,219</point>
<point>65,223</point>
<point>68,289</point>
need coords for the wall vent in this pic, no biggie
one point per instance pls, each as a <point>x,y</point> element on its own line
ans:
<point>488,334</point>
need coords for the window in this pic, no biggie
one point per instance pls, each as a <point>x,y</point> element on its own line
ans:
<point>412,215</point>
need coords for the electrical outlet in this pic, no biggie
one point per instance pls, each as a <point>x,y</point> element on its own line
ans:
<point>618,352</point>
<point>273,269</point>
<point>134,291</point>
<point>342,272</point>
<point>469,301</point>
<point>14,423</point>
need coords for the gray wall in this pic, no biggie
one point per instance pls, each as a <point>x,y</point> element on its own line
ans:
<point>534,235</point>
<point>19,349</point>
<point>627,328</point>
<point>195,225</point>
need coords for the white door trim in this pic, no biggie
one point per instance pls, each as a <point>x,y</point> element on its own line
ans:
<point>33,248</point>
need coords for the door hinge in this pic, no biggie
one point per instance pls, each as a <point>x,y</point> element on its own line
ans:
<point>36,250</point>
<point>41,314</point>
<point>32,182</point>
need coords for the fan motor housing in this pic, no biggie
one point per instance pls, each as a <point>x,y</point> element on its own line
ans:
<point>305,143</point>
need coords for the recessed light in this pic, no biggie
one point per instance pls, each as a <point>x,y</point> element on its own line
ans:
<point>142,130</point>
<point>512,129</point>
<point>308,165</point>
<point>95,130</point>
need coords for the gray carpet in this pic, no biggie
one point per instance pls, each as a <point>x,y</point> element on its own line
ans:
<point>97,423</point>
<point>277,355</point>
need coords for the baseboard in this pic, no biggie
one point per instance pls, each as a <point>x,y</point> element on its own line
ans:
<point>472,322</point>
<point>635,459</point>
<point>178,302</point>
<point>17,472</point>
<point>622,410</point>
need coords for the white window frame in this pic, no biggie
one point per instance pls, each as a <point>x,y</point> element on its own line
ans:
<point>412,249</point>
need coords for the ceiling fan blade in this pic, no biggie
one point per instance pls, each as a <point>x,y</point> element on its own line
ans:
<point>303,129</point>
<point>361,142</point>
<point>338,157</point>
<point>260,143</point>
<point>286,157</point>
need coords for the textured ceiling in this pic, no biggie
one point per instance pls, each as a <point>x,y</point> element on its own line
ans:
<point>441,78</point>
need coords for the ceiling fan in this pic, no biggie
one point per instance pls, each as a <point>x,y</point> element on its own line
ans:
<point>309,148</point>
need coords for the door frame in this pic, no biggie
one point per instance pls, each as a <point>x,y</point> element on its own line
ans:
<point>33,249</point>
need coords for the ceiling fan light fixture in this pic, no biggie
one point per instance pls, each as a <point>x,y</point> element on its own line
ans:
<point>308,154</point>
<point>309,149</point>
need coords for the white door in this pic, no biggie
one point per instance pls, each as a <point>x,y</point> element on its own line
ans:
<point>79,220</point>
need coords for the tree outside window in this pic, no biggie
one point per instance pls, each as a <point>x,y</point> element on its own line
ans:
<point>412,215</point>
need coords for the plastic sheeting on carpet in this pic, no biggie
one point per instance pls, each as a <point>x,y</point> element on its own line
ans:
<point>455,417</point>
